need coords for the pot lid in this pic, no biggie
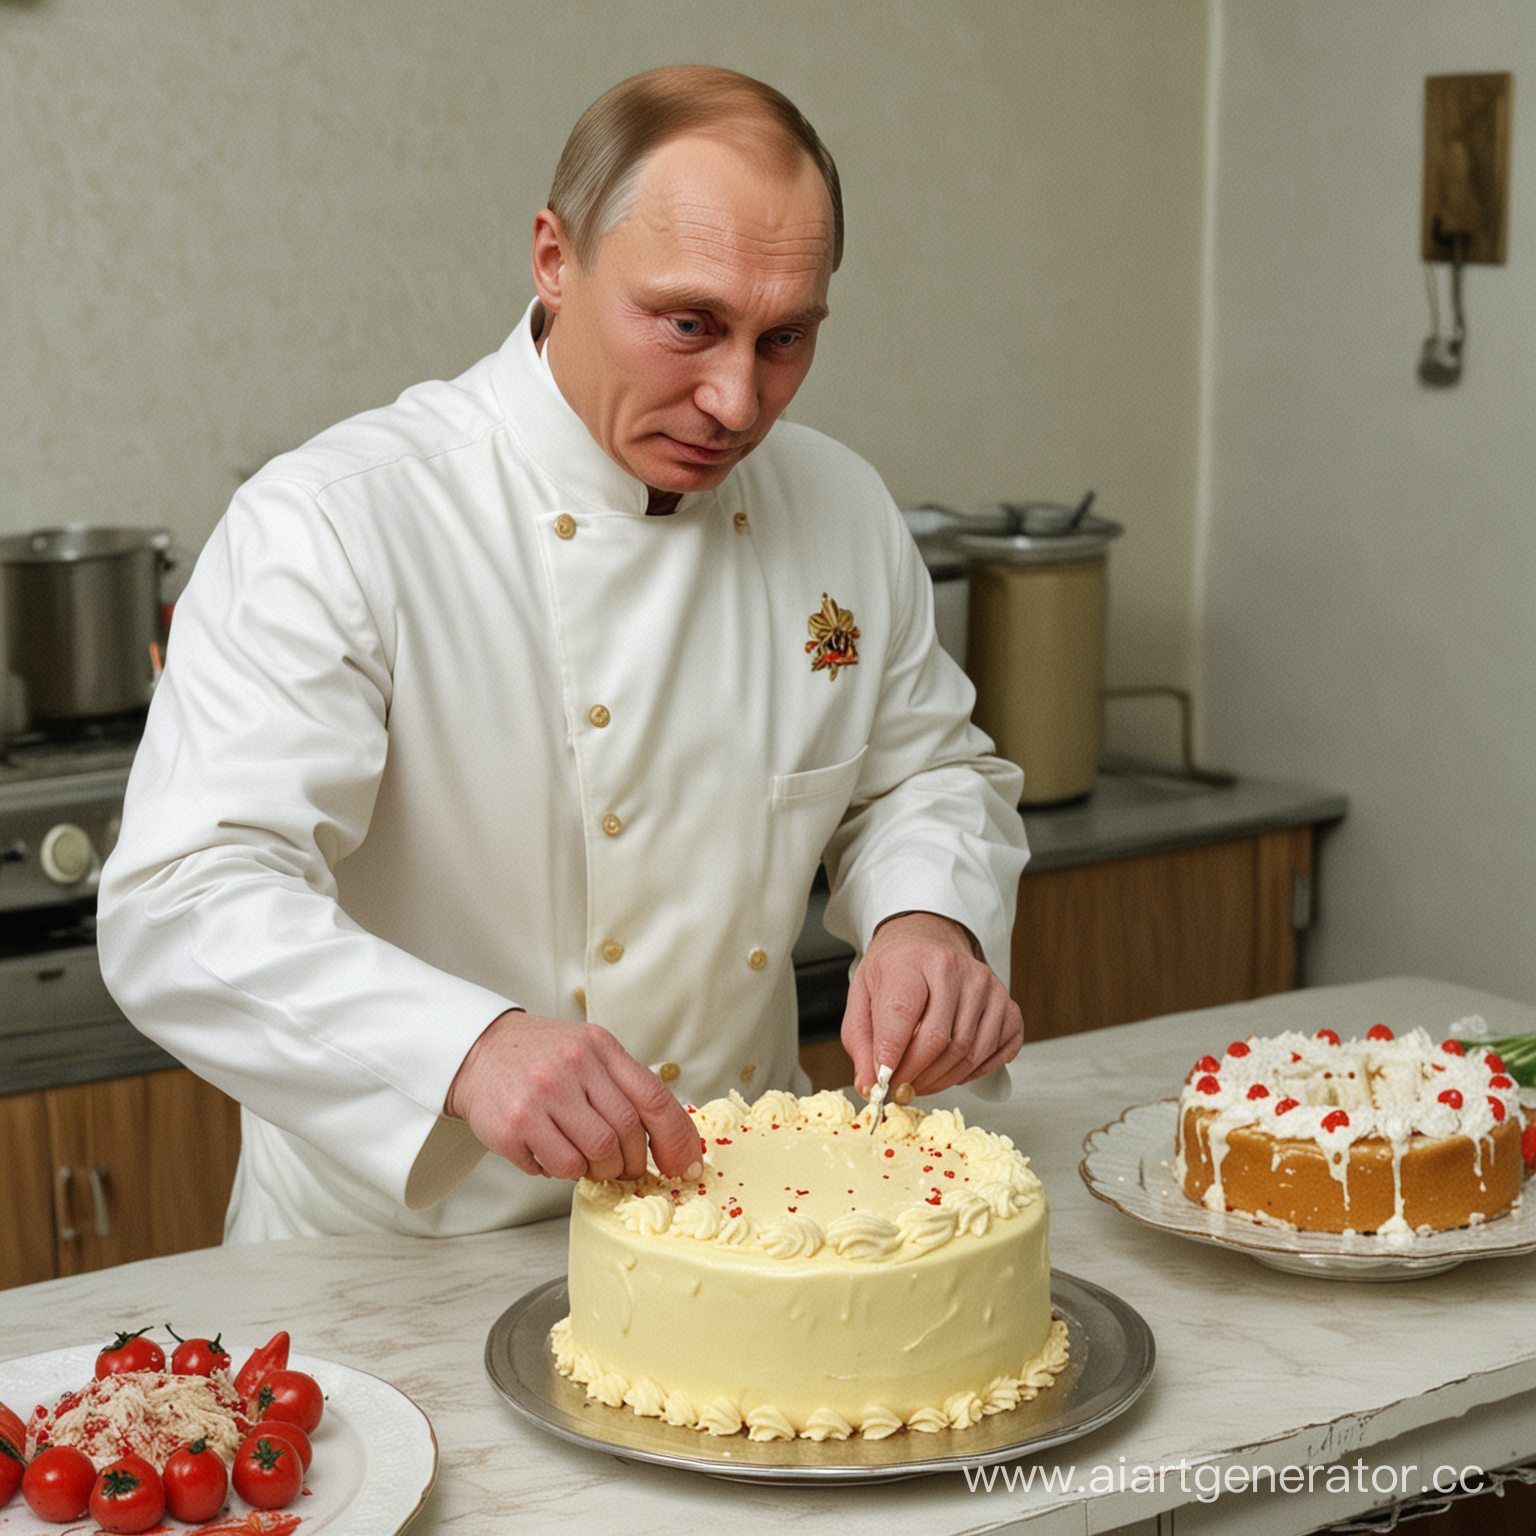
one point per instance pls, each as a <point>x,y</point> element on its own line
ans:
<point>933,529</point>
<point>1034,533</point>
<point>79,541</point>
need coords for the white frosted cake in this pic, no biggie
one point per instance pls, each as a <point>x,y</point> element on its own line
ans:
<point>816,1280</point>
<point>1386,1135</point>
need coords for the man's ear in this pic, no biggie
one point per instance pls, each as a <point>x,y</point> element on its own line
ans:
<point>550,249</point>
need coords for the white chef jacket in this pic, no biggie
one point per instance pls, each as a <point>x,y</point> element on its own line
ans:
<point>450,725</point>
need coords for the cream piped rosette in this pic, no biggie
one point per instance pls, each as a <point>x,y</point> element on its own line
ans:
<point>816,1281</point>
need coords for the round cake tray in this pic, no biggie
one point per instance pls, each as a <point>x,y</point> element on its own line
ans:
<point>1129,1165</point>
<point>1111,1355</point>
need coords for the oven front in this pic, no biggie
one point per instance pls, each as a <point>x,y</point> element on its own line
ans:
<point>60,811</point>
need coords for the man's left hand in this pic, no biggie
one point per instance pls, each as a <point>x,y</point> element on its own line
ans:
<point>924,1005</point>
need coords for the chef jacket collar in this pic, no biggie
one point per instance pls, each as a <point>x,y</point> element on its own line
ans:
<point>552,434</point>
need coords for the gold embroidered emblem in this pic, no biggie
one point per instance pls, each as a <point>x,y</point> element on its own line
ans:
<point>832,638</point>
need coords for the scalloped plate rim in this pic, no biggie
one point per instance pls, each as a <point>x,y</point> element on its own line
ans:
<point>1146,1130</point>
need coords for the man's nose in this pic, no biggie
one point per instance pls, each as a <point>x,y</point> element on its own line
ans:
<point>728,391</point>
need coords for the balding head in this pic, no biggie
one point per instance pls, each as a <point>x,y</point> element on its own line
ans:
<point>595,182</point>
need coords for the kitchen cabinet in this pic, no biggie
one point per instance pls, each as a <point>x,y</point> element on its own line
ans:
<point>1132,938</point>
<point>1160,894</point>
<point>103,1173</point>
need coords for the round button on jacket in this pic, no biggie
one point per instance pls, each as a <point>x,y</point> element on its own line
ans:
<point>758,959</point>
<point>565,526</point>
<point>599,715</point>
<point>612,825</point>
<point>613,951</point>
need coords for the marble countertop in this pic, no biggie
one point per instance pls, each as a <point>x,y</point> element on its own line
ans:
<point>1254,1367</point>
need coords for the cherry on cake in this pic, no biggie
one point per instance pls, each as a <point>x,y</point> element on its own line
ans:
<point>816,1280</point>
<point>1387,1134</point>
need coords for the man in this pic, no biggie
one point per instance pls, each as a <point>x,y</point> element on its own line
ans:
<point>504,728</point>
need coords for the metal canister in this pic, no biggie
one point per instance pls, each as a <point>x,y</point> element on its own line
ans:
<point>1035,643</point>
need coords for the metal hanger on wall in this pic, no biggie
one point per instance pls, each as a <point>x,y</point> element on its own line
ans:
<point>1440,361</point>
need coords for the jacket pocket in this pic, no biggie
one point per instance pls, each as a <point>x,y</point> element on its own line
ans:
<point>837,779</point>
<point>804,810</point>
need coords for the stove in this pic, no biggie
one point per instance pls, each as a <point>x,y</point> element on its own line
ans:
<point>61,806</point>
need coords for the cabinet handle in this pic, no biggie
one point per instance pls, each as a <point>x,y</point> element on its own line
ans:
<point>63,1179</point>
<point>102,1224</point>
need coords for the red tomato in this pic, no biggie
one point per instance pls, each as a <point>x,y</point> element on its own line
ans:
<point>13,1450</point>
<point>292,1396</point>
<point>267,1472</point>
<point>280,1429</point>
<point>11,1469</point>
<point>128,1496</point>
<point>57,1483</point>
<point>196,1483</point>
<point>130,1352</point>
<point>199,1357</point>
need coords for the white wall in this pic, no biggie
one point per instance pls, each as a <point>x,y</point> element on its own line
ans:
<point>227,225</point>
<point>1369,608</point>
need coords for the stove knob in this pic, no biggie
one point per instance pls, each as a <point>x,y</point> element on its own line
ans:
<point>67,856</point>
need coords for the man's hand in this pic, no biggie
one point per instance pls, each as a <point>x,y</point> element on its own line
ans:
<point>924,1005</point>
<point>566,1100</point>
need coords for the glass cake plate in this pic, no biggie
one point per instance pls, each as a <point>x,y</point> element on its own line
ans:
<point>1129,1164</point>
<point>1111,1359</point>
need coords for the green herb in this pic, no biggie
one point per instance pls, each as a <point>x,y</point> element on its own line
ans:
<point>1518,1053</point>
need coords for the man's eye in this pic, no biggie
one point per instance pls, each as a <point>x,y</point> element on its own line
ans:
<point>688,327</point>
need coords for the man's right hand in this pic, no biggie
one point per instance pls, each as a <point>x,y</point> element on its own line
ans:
<point>567,1101</point>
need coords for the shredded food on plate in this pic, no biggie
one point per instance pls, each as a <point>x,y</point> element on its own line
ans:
<point>148,1413</point>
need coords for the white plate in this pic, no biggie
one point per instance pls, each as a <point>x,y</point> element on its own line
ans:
<point>1129,1164</point>
<point>1110,1363</point>
<point>375,1453</point>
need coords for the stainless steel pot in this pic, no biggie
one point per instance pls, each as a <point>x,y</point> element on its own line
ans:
<point>82,618</point>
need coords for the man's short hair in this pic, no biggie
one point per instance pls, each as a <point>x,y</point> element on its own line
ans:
<point>595,182</point>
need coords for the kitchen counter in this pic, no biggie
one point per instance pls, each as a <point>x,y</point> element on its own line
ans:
<point>1254,1368</point>
<point>1137,810</point>
<point>85,1053</point>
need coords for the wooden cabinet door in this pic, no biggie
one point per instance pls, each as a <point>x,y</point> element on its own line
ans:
<point>1133,938</point>
<point>100,1134</point>
<point>27,1252</point>
<point>106,1173</point>
<point>192,1160</point>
